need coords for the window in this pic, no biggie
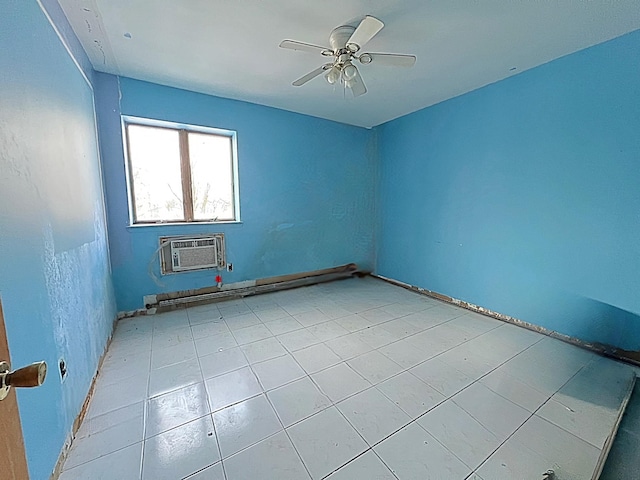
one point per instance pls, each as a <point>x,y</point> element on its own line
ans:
<point>180,173</point>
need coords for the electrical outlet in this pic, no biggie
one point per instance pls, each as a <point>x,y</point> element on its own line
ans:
<point>229,267</point>
<point>62,365</point>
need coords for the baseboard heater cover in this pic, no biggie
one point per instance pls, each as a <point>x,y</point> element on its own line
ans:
<point>161,301</point>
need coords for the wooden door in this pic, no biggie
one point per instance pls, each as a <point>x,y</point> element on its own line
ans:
<point>13,461</point>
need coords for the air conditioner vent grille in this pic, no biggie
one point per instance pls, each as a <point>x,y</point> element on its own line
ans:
<point>178,254</point>
<point>205,242</point>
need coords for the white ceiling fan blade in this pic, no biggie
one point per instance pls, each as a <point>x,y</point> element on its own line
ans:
<point>311,75</point>
<point>302,47</point>
<point>356,84</point>
<point>367,29</point>
<point>390,59</point>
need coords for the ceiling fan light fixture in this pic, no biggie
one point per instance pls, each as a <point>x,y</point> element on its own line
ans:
<point>333,75</point>
<point>349,72</point>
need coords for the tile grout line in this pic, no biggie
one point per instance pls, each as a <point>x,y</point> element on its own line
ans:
<point>334,404</point>
<point>210,414</point>
<point>369,447</point>
<point>146,404</point>
<point>292,352</point>
<point>351,368</point>
<point>530,416</point>
<point>303,327</point>
<point>415,420</point>
<point>264,392</point>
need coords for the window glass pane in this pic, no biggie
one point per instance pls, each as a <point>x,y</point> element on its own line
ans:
<point>211,176</point>
<point>154,154</point>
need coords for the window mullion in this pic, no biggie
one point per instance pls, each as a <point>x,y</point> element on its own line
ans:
<point>185,170</point>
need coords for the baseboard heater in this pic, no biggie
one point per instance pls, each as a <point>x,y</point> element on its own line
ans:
<point>168,301</point>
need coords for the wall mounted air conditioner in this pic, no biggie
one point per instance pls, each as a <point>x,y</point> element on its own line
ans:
<point>181,254</point>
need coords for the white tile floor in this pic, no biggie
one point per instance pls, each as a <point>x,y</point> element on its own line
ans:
<point>356,379</point>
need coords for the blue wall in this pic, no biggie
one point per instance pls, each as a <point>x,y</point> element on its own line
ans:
<point>54,267</point>
<point>524,196</point>
<point>521,197</point>
<point>306,190</point>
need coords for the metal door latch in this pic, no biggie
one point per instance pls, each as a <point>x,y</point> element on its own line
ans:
<point>30,376</point>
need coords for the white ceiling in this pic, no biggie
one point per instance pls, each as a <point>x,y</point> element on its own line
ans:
<point>230,48</point>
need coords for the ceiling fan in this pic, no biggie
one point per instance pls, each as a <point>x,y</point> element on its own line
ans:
<point>346,43</point>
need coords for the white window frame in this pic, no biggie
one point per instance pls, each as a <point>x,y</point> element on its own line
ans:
<point>182,129</point>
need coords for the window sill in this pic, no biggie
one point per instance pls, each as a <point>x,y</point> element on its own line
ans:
<point>181,224</point>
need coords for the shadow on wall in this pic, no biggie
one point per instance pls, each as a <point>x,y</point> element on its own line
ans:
<point>596,318</point>
<point>589,320</point>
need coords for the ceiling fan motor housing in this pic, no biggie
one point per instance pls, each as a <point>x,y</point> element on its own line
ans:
<point>339,36</point>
